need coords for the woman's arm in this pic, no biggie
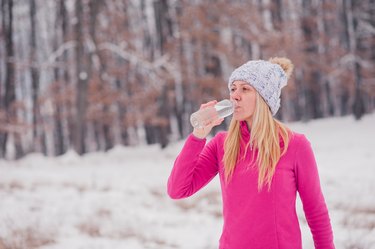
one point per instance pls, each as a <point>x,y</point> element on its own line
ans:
<point>194,167</point>
<point>308,185</point>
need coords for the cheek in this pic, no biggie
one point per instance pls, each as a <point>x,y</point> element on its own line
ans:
<point>250,107</point>
<point>254,102</point>
<point>251,110</point>
<point>251,103</point>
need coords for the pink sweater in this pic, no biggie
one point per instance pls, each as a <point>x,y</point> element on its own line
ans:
<point>252,219</point>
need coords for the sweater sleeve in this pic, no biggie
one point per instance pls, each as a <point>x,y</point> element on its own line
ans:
<point>194,167</point>
<point>314,206</point>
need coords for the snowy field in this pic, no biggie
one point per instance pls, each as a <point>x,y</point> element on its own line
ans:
<point>118,199</point>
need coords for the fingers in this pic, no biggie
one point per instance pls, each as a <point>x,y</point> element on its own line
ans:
<point>200,133</point>
<point>216,122</point>
<point>203,132</point>
<point>210,103</point>
<point>209,124</point>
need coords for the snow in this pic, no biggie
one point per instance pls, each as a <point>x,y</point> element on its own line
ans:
<point>118,199</point>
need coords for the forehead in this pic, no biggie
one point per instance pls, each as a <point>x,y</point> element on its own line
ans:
<point>239,83</point>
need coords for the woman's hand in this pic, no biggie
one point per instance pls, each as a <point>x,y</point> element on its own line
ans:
<point>203,132</point>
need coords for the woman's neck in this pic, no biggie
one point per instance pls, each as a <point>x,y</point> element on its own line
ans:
<point>249,123</point>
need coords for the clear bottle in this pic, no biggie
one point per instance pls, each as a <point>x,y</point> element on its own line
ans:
<point>202,117</point>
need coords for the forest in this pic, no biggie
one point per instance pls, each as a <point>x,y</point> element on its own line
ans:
<point>88,75</point>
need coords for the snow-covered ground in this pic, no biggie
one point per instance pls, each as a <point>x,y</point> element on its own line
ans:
<point>118,199</point>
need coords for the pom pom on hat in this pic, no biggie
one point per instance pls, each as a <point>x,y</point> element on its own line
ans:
<point>267,77</point>
<point>284,63</point>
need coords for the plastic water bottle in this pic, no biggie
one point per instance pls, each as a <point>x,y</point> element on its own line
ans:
<point>203,117</point>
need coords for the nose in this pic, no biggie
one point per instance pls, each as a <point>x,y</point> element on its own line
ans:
<point>236,95</point>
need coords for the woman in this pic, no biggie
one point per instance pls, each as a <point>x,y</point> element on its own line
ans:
<point>261,164</point>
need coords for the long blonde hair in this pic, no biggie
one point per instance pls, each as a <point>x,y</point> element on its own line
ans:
<point>265,139</point>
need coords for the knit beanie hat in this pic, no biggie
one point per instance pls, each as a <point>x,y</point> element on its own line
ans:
<point>267,77</point>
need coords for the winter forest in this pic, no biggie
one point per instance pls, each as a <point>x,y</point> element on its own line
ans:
<point>88,75</point>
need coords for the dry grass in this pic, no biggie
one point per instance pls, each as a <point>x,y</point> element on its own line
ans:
<point>11,187</point>
<point>104,213</point>
<point>81,188</point>
<point>358,217</point>
<point>91,229</point>
<point>147,241</point>
<point>211,198</point>
<point>157,193</point>
<point>26,238</point>
<point>15,185</point>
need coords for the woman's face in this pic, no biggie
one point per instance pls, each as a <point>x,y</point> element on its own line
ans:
<point>244,97</point>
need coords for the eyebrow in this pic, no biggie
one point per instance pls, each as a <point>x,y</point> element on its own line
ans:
<point>241,84</point>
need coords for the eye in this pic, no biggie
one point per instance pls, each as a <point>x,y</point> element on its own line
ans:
<point>232,89</point>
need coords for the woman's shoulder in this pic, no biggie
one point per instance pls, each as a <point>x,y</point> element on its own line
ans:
<point>221,134</point>
<point>220,137</point>
<point>298,139</point>
<point>216,143</point>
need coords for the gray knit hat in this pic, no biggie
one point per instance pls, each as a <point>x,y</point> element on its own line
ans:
<point>266,77</point>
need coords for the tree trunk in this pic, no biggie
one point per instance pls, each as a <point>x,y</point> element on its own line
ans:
<point>164,119</point>
<point>69,137</point>
<point>358,106</point>
<point>352,23</point>
<point>10,91</point>
<point>121,107</point>
<point>164,30</point>
<point>59,138</point>
<point>312,75</point>
<point>178,78</point>
<point>95,54</point>
<point>39,144</point>
<point>82,81</point>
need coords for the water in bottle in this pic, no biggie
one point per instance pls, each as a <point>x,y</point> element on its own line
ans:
<point>207,115</point>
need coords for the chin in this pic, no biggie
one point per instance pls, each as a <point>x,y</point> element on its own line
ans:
<point>238,118</point>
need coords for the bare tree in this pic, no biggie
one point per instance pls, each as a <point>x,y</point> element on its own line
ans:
<point>61,79</point>
<point>38,131</point>
<point>132,72</point>
<point>82,73</point>
<point>9,97</point>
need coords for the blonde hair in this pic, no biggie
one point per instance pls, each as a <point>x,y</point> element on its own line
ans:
<point>266,133</point>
